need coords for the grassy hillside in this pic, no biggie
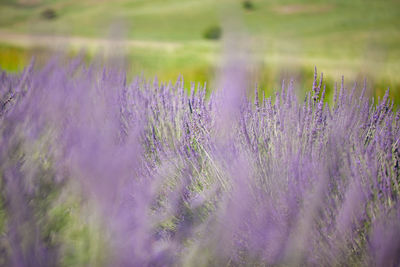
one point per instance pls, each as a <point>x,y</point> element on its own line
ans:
<point>352,38</point>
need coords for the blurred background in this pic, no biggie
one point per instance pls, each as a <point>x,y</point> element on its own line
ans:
<point>286,38</point>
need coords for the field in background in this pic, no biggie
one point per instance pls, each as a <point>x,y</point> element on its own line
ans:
<point>357,39</point>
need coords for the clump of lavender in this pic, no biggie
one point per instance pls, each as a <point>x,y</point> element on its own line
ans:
<point>98,171</point>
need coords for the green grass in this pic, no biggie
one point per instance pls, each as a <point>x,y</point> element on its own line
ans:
<point>12,58</point>
<point>359,38</point>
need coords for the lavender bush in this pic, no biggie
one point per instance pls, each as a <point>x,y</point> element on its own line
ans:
<point>96,171</point>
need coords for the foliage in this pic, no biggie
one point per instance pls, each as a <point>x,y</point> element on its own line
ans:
<point>49,14</point>
<point>248,5</point>
<point>213,32</point>
<point>165,177</point>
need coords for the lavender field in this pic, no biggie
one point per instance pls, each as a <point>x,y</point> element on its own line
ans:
<point>99,170</point>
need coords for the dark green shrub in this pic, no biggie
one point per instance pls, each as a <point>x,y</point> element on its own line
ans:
<point>213,32</point>
<point>248,5</point>
<point>49,14</point>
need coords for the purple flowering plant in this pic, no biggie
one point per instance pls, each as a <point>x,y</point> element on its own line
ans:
<point>99,171</point>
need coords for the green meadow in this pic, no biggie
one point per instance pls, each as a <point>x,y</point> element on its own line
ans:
<point>286,38</point>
